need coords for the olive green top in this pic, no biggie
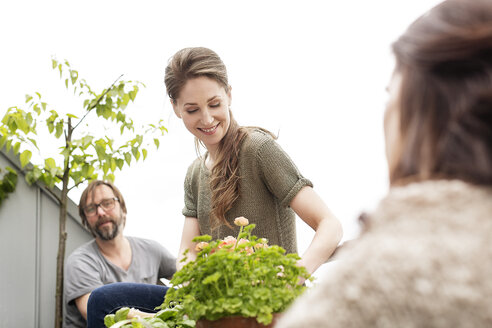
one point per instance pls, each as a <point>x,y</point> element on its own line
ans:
<point>269,182</point>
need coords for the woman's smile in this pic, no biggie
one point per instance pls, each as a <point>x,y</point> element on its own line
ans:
<point>209,131</point>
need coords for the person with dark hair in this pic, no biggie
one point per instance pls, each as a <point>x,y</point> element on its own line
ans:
<point>110,258</point>
<point>425,256</point>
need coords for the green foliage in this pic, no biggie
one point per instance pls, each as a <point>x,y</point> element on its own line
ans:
<point>166,318</point>
<point>82,155</point>
<point>7,183</point>
<point>237,277</point>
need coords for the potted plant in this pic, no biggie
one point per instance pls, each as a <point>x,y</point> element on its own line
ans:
<point>234,282</point>
<point>236,277</point>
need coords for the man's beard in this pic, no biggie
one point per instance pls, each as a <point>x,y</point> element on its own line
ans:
<point>107,234</point>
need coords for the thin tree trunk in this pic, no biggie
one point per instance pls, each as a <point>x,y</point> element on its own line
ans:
<point>62,238</point>
<point>60,259</point>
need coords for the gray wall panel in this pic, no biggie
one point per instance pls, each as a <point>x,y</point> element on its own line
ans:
<point>17,255</point>
<point>28,250</point>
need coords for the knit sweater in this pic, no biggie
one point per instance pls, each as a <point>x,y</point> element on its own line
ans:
<point>269,182</point>
<point>425,261</point>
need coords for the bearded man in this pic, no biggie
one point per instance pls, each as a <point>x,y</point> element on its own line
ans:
<point>110,257</point>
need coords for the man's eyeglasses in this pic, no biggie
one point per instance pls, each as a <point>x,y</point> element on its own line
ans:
<point>106,204</point>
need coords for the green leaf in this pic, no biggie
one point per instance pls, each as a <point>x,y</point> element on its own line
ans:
<point>50,126</point>
<point>59,129</point>
<point>212,278</point>
<point>16,148</point>
<point>120,117</point>
<point>37,109</point>
<point>74,75</point>
<point>21,124</point>
<point>198,239</point>
<point>25,157</point>
<point>28,98</point>
<point>121,314</point>
<point>113,164</point>
<point>157,143</point>
<point>166,314</point>
<point>50,163</point>
<point>109,177</point>
<point>37,173</point>
<point>65,152</point>
<point>135,153</point>
<point>54,63</point>
<point>29,119</point>
<point>3,140</point>
<point>125,100</point>
<point>86,141</point>
<point>8,145</point>
<point>188,323</point>
<point>128,158</point>
<point>144,153</point>
<point>105,167</point>
<point>109,320</point>
<point>101,151</point>
<point>72,116</point>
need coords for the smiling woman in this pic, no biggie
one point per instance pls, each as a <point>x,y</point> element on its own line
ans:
<point>244,172</point>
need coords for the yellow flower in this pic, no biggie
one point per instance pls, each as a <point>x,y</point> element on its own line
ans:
<point>241,221</point>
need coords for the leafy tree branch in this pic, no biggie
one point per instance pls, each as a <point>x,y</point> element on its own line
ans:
<point>81,156</point>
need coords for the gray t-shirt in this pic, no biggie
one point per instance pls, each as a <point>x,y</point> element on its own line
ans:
<point>86,269</point>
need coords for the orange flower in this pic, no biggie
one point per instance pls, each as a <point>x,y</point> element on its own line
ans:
<point>261,245</point>
<point>248,250</point>
<point>200,246</point>
<point>228,241</point>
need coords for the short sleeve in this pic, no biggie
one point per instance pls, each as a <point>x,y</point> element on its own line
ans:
<point>190,204</point>
<point>167,265</point>
<point>81,276</point>
<point>279,172</point>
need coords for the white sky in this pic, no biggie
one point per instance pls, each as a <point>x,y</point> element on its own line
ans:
<point>314,72</point>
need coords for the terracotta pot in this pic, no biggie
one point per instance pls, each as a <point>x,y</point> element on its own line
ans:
<point>235,322</point>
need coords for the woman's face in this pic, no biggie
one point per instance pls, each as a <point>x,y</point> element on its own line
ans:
<point>392,120</point>
<point>203,105</point>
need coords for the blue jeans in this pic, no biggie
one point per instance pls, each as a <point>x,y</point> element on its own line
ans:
<point>109,298</point>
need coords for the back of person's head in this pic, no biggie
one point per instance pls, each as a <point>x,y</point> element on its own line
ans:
<point>444,60</point>
<point>89,192</point>
<point>189,63</point>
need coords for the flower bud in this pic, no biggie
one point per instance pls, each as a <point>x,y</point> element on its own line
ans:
<point>200,246</point>
<point>241,221</point>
